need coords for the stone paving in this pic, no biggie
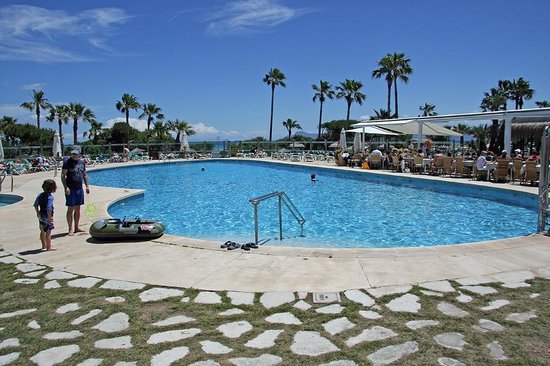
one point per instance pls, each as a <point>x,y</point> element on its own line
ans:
<point>251,328</point>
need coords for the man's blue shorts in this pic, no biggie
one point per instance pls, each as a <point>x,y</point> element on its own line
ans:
<point>75,198</point>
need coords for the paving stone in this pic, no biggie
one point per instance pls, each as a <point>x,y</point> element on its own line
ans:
<point>263,360</point>
<point>273,299</point>
<point>431,293</point>
<point>122,285</point>
<point>451,340</point>
<point>170,356</point>
<point>496,351</point>
<point>67,308</point>
<point>125,363</point>
<point>16,313</point>
<point>521,317</point>
<point>235,329</point>
<point>33,324</point>
<point>26,281</point>
<point>451,310</point>
<point>374,333</point>
<point>495,304</point>
<point>359,297</point>
<point>544,273</point>
<point>330,309</point>
<point>9,358</point>
<point>115,323</point>
<point>10,259</point>
<point>515,276</point>
<point>3,253</point>
<point>369,314</point>
<point>339,363</point>
<point>418,324</point>
<point>339,325</point>
<point>10,342</point>
<point>464,298</point>
<point>91,362</point>
<point>233,311</point>
<point>302,295</point>
<point>388,290</point>
<point>87,282</point>
<point>173,335</point>
<point>309,343</point>
<point>283,318</point>
<point>241,298</point>
<point>55,355</point>
<point>515,284</point>
<point>302,305</point>
<point>265,340</point>
<point>472,281</point>
<point>51,285</point>
<point>35,273</point>
<point>60,275</point>
<point>446,361</point>
<point>390,354</point>
<point>178,319</point>
<point>185,299</point>
<point>214,348</point>
<point>63,335</point>
<point>115,299</point>
<point>480,290</point>
<point>124,342</point>
<point>208,297</point>
<point>407,303</point>
<point>29,267</point>
<point>88,315</point>
<point>439,286</point>
<point>534,296</point>
<point>205,363</point>
<point>485,325</point>
<point>159,293</point>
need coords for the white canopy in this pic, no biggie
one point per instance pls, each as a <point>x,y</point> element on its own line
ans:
<point>411,127</point>
<point>296,145</point>
<point>373,130</point>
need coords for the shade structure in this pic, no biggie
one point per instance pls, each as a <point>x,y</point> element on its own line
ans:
<point>411,127</point>
<point>373,130</point>
<point>1,148</point>
<point>184,144</point>
<point>296,145</point>
<point>343,144</point>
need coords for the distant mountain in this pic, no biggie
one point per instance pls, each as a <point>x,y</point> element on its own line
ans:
<point>306,134</point>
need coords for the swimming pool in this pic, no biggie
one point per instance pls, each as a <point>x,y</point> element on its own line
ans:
<point>8,199</point>
<point>343,209</point>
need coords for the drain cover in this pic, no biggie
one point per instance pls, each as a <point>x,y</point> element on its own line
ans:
<point>326,297</point>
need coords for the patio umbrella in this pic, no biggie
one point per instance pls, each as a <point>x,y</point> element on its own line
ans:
<point>184,145</point>
<point>343,139</point>
<point>1,148</point>
<point>56,150</point>
<point>357,142</point>
<point>333,145</point>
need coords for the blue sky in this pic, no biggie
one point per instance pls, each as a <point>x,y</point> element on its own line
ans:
<point>203,61</point>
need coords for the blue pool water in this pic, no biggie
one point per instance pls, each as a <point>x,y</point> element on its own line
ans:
<point>8,199</point>
<point>347,210</point>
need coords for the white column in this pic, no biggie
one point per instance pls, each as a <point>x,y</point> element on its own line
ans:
<point>508,133</point>
<point>420,133</point>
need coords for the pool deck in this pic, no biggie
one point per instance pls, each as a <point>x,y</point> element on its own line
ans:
<point>191,263</point>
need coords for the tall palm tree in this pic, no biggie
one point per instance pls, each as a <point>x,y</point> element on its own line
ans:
<point>520,90</point>
<point>349,90</point>
<point>494,101</point>
<point>385,70</point>
<point>151,111</point>
<point>160,131</point>
<point>505,88</point>
<point>178,127</point>
<point>381,114</point>
<point>400,70</point>
<point>96,128</point>
<point>38,102</point>
<point>6,122</point>
<point>124,105</point>
<point>480,134</point>
<point>463,130</point>
<point>323,91</point>
<point>543,104</point>
<point>274,78</point>
<point>60,112</point>
<point>290,124</point>
<point>77,111</point>
<point>427,110</point>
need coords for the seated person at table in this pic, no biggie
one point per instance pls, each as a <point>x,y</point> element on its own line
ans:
<point>503,154</point>
<point>518,154</point>
<point>481,163</point>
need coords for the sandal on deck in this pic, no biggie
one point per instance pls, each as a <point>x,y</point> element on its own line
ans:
<point>233,245</point>
<point>245,247</point>
<point>252,245</point>
<point>226,244</point>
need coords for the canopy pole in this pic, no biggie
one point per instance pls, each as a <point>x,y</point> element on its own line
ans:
<point>508,133</point>
<point>420,133</point>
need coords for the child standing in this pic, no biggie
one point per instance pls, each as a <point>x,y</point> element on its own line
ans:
<point>43,204</point>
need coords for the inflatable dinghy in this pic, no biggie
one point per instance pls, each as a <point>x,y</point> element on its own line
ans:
<point>127,229</point>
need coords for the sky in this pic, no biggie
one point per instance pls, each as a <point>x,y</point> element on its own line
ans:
<point>203,61</point>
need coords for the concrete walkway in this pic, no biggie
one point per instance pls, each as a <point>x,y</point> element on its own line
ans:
<point>190,263</point>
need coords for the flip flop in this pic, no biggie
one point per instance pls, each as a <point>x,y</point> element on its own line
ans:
<point>245,247</point>
<point>252,245</point>
<point>226,244</point>
<point>233,245</point>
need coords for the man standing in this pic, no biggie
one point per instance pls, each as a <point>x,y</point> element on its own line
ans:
<point>73,174</point>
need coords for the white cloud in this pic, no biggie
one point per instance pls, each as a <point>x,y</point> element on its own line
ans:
<point>134,122</point>
<point>34,86</point>
<point>31,33</point>
<point>244,16</point>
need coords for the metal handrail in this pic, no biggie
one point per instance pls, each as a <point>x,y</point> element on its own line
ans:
<point>3,176</point>
<point>283,198</point>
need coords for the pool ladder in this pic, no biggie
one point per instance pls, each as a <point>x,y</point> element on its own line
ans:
<point>3,176</point>
<point>283,198</point>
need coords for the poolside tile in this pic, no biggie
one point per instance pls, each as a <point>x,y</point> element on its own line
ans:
<point>87,282</point>
<point>122,285</point>
<point>35,273</point>
<point>10,259</point>
<point>208,297</point>
<point>60,275</point>
<point>28,267</point>
<point>241,298</point>
<point>359,297</point>
<point>439,286</point>
<point>159,293</point>
<point>480,290</point>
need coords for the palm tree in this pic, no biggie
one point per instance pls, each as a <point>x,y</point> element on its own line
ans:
<point>160,131</point>
<point>427,110</point>
<point>290,124</point>
<point>494,101</point>
<point>349,89</point>
<point>77,111</point>
<point>400,70</point>
<point>381,114</point>
<point>124,105</point>
<point>96,128</point>
<point>463,130</point>
<point>38,102</point>
<point>385,70</point>
<point>519,91</point>
<point>60,112</point>
<point>6,122</point>
<point>543,104</point>
<point>151,111</point>
<point>480,133</point>
<point>274,78</point>
<point>324,90</point>
<point>178,127</point>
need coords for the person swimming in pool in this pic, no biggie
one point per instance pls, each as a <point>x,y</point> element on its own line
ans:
<point>313,177</point>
